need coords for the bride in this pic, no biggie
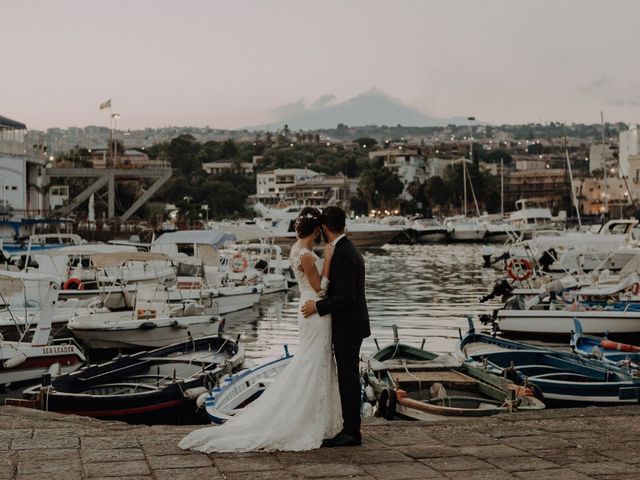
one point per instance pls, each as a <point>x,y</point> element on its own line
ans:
<point>302,406</point>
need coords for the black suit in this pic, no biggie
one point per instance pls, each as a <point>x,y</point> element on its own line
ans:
<point>347,304</point>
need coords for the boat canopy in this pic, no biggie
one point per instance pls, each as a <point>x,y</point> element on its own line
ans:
<point>215,238</point>
<point>611,289</point>
<point>116,259</point>
<point>88,250</point>
<point>26,276</point>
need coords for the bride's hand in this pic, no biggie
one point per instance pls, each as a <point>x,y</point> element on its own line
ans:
<point>328,251</point>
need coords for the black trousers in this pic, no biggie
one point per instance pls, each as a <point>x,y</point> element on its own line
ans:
<point>347,353</point>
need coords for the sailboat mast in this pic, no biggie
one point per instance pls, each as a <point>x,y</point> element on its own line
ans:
<point>502,187</point>
<point>604,164</point>
<point>573,189</point>
<point>464,186</point>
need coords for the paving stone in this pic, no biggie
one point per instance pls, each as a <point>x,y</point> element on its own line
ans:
<point>540,442</point>
<point>112,455</point>
<point>74,475</point>
<point>162,447</point>
<point>430,451</point>
<point>366,457</point>
<point>492,451</point>
<point>515,464</point>
<point>12,433</point>
<point>401,470</point>
<point>179,461</point>
<point>116,469</point>
<point>623,456</point>
<point>321,470</point>
<point>198,473</point>
<point>463,462</point>
<point>466,439</point>
<point>320,455</point>
<point>39,443</point>
<point>249,463</point>
<point>102,443</point>
<point>480,475</point>
<point>604,468</point>
<point>48,454</point>
<point>552,474</point>
<point>268,475</point>
<point>408,437</point>
<point>61,466</point>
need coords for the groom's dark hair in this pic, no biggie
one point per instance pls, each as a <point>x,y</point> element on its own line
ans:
<point>334,218</point>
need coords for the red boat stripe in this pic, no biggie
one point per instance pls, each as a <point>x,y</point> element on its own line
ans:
<point>43,362</point>
<point>125,411</point>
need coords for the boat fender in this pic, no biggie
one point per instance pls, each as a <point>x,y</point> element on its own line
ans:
<point>177,324</point>
<point>369,393</point>
<point>201,400</point>
<point>54,369</point>
<point>619,347</point>
<point>635,289</point>
<point>194,393</point>
<point>366,410</point>
<point>392,405</point>
<point>383,400</point>
<point>15,361</point>
<point>148,325</point>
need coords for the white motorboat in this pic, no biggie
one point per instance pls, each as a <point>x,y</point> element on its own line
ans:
<point>465,229</point>
<point>26,360</point>
<point>536,313</point>
<point>240,389</point>
<point>533,214</point>
<point>429,230</point>
<point>153,323</point>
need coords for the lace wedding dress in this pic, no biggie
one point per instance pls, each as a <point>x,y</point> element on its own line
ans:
<point>301,407</point>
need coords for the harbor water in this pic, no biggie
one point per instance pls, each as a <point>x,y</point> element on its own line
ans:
<point>427,290</point>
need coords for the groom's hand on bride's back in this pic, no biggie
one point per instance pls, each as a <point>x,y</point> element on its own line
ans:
<point>309,308</point>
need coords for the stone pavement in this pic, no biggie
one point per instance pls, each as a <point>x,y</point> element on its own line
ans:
<point>597,443</point>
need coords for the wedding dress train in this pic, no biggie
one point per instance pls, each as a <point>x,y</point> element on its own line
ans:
<point>301,407</point>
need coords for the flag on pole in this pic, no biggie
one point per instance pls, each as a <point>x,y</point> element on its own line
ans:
<point>106,104</point>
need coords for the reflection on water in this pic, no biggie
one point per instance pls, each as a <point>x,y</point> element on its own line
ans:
<point>427,290</point>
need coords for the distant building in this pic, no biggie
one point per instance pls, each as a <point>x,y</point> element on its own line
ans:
<point>551,184</point>
<point>323,190</point>
<point>436,166</point>
<point>272,185</point>
<point>408,164</point>
<point>599,155</point>
<point>629,144</point>
<point>222,166</point>
<point>528,163</point>
<point>591,195</point>
<point>21,173</point>
<point>132,158</point>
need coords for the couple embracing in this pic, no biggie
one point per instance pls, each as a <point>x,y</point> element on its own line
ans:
<point>315,401</point>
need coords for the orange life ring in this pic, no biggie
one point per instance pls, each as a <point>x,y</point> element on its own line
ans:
<point>519,269</point>
<point>73,284</point>
<point>239,263</point>
<point>635,288</point>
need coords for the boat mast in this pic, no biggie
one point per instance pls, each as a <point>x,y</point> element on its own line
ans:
<point>502,187</point>
<point>573,188</point>
<point>604,164</point>
<point>464,179</point>
<point>464,185</point>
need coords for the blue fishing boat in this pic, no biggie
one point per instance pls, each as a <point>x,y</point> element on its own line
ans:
<point>239,390</point>
<point>601,348</point>
<point>561,379</point>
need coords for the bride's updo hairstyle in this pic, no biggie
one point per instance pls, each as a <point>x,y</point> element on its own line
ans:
<point>307,221</point>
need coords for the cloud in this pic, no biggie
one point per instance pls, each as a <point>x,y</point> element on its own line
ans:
<point>596,85</point>
<point>625,102</point>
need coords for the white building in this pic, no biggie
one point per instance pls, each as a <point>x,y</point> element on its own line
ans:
<point>21,173</point>
<point>629,145</point>
<point>436,167</point>
<point>408,164</point>
<point>271,186</point>
<point>222,166</point>
<point>598,155</point>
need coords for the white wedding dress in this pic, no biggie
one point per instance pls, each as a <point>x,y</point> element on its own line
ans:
<point>301,407</point>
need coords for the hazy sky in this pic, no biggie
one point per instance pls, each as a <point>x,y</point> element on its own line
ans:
<point>228,64</point>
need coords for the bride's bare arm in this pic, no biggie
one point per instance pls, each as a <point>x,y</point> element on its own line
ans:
<point>310,271</point>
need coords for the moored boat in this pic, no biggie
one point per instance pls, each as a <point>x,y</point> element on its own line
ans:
<point>159,386</point>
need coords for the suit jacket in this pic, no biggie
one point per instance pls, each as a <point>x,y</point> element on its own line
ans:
<point>346,300</point>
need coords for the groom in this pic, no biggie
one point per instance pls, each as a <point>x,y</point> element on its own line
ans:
<point>347,304</point>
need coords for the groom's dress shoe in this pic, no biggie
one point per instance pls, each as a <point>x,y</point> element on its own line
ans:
<point>343,440</point>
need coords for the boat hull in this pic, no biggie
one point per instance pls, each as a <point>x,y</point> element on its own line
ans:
<point>560,322</point>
